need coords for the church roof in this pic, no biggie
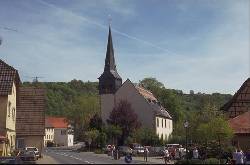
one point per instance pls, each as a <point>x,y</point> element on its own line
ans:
<point>8,75</point>
<point>110,66</point>
<point>145,93</point>
<point>240,102</point>
<point>241,124</point>
<point>153,102</point>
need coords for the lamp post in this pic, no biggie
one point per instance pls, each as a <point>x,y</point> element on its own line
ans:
<point>186,127</point>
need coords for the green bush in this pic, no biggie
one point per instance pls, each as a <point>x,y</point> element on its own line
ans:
<point>212,161</point>
<point>98,151</point>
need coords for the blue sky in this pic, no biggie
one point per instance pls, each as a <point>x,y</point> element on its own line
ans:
<point>200,45</point>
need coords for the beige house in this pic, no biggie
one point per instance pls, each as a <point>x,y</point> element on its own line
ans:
<point>9,84</point>
<point>30,122</point>
<point>150,112</point>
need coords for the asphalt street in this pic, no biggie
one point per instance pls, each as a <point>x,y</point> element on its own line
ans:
<point>71,157</point>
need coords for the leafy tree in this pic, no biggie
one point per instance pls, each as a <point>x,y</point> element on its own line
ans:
<point>96,122</point>
<point>151,83</point>
<point>124,116</point>
<point>146,136</point>
<point>113,132</point>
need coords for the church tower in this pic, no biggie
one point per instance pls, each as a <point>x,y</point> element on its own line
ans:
<point>109,81</point>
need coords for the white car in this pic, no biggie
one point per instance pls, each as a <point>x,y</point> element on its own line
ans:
<point>35,150</point>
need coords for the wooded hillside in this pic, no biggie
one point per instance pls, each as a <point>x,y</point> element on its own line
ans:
<point>76,96</point>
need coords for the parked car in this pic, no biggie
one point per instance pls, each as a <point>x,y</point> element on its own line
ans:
<point>10,160</point>
<point>156,151</point>
<point>35,150</point>
<point>138,150</point>
<point>27,155</point>
<point>124,150</point>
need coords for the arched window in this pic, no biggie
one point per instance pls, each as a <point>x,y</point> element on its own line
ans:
<point>13,114</point>
<point>9,106</point>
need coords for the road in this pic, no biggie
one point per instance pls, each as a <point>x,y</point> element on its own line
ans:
<point>70,157</point>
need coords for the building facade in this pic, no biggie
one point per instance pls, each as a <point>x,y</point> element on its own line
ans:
<point>9,85</point>
<point>238,112</point>
<point>58,131</point>
<point>144,103</point>
<point>30,122</point>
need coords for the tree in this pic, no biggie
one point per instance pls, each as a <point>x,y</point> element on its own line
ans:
<point>96,122</point>
<point>91,136</point>
<point>146,136</point>
<point>113,133</point>
<point>124,116</point>
<point>151,83</point>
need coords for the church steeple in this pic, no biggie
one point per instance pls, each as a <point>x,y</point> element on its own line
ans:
<point>110,59</point>
<point>110,80</point>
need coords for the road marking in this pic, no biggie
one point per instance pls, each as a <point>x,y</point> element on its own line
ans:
<point>87,162</point>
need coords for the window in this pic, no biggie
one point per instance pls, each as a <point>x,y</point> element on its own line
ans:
<point>165,123</point>
<point>9,109</point>
<point>162,123</point>
<point>13,114</point>
<point>157,122</point>
<point>63,132</point>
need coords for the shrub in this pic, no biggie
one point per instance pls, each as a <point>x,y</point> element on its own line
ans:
<point>212,161</point>
<point>190,161</point>
<point>98,151</point>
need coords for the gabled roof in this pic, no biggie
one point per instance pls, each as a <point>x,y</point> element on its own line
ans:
<point>8,76</point>
<point>241,124</point>
<point>240,102</point>
<point>151,100</point>
<point>30,113</point>
<point>145,93</point>
<point>56,122</point>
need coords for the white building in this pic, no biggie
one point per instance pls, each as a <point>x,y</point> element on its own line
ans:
<point>58,131</point>
<point>150,112</point>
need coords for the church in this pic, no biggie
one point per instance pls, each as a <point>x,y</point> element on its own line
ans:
<point>150,112</point>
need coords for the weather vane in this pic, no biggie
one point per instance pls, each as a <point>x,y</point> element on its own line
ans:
<point>109,19</point>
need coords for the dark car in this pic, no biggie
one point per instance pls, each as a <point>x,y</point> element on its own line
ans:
<point>124,150</point>
<point>10,160</point>
<point>27,155</point>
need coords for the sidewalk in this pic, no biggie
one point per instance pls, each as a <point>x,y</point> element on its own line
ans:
<point>46,160</point>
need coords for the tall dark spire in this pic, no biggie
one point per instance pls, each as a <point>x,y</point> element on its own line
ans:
<point>110,80</point>
<point>110,59</point>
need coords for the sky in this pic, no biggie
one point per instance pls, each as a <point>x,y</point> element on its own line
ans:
<point>200,45</point>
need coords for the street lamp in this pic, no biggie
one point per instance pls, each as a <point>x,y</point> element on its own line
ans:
<point>186,127</point>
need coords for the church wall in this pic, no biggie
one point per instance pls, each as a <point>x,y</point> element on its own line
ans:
<point>107,105</point>
<point>138,103</point>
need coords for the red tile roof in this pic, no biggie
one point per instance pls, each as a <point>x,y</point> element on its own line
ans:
<point>56,122</point>
<point>8,75</point>
<point>241,123</point>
